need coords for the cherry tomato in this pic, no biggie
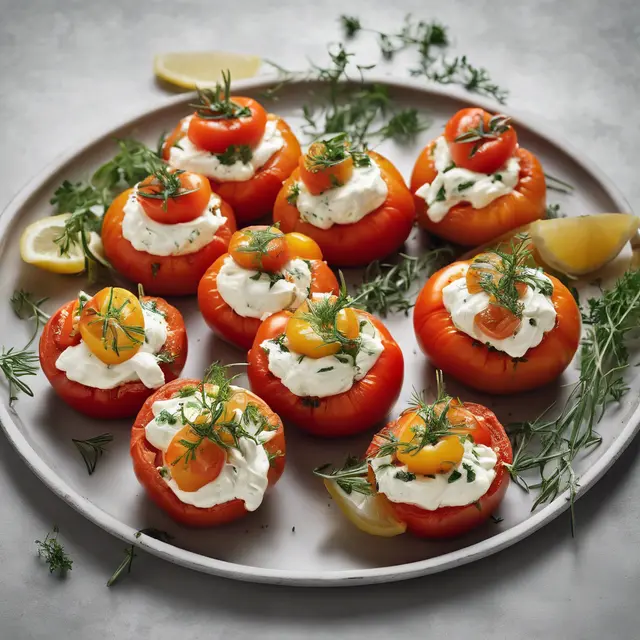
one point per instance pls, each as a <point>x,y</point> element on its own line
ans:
<point>365,404</point>
<point>471,227</point>
<point>447,522</point>
<point>301,246</point>
<point>69,335</point>
<point>483,266</point>
<point>240,330</point>
<point>147,459</point>
<point>190,200</point>
<point>216,135</point>
<point>475,364</point>
<point>491,148</point>
<point>254,198</point>
<point>319,177</point>
<point>304,340</point>
<point>375,236</point>
<point>123,401</point>
<point>112,325</point>
<point>168,275</point>
<point>260,247</point>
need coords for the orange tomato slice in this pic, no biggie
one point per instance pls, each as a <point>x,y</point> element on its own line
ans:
<point>320,174</point>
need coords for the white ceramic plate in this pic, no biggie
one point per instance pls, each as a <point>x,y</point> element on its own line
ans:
<point>297,536</point>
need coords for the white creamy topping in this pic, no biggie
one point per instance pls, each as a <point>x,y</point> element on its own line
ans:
<point>244,474</point>
<point>363,193</point>
<point>454,185</point>
<point>326,376</point>
<point>538,315</point>
<point>252,294</point>
<point>179,239</point>
<point>82,366</point>
<point>432,493</point>
<point>190,158</point>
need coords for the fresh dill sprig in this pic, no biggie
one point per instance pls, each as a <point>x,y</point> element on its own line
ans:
<point>259,240</point>
<point>27,307</point>
<point>15,365</point>
<point>92,449</point>
<point>550,445</point>
<point>165,184</point>
<point>351,477</point>
<point>216,104</point>
<point>53,553</point>
<point>555,184</point>
<point>385,287</point>
<point>330,152</point>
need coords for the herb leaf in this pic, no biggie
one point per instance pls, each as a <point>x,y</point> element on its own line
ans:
<point>92,449</point>
<point>53,553</point>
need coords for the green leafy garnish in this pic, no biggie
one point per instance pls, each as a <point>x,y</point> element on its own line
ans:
<point>165,184</point>
<point>27,307</point>
<point>216,104</point>
<point>351,477</point>
<point>15,365</point>
<point>92,449</point>
<point>53,553</point>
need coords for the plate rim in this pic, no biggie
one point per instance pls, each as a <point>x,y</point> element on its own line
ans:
<point>352,577</point>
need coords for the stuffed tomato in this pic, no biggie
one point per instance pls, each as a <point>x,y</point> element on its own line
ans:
<point>264,272</point>
<point>330,369</point>
<point>440,468</point>
<point>474,183</point>
<point>355,205</point>
<point>246,153</point>
<point>496,324</point>
<point>206,452</point>
<point>104,355</point>
<point>166,231</point>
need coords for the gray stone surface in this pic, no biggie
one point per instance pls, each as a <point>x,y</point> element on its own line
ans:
<point>69,69</point>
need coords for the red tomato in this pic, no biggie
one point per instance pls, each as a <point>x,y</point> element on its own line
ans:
<point>217,135</point>
<point>365,404</point>
<point>123,401</point>
<point>254,198</point>
<point>447,522</point>
<point>237,329</point>
<point>318,178</point>
<point>167,275</point>
<point>147,458</point>
<point>472,227</point>
<point>485,155</point>
<point>184,207</point>
<point>375,236</point>
<point>473,363</point>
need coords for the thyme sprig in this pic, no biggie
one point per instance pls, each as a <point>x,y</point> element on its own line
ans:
<point>27,307</point>
<point>497,125</point>
<point>92,449</point>
<point>511,269</point>
<point>550,445</point>
<point>216,104</point>
<point>386,287</point>
<point>164,185</point>
<point>53,553</point>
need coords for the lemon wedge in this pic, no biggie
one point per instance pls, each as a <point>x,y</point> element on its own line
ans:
<point>370,514</point>
<point>38,246</point>
<point>201,69</point>
<point>577,246</point>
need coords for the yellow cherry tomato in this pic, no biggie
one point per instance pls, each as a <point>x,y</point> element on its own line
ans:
<point>112,325</point>
<point>301,246</point>
<point>303,338</point>
<point>192,468</point>
<point>441,457</point>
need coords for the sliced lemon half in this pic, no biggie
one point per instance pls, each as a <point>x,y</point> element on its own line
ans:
<point>38,246</point>
<point>370,513</point>
<point>577,246</point>
<point>203,68</point>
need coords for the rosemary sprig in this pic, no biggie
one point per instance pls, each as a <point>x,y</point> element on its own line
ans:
<point>555,184</point>
<point>351,477</point>
<point>216,104</point>
<point>92,449</point>
<point>332,151</point>
<point>385,287</point>
<point>497,125</point>
<point>15,365</point>
<point>165,184</point>
<point>53,553</point>
<point>26,307</point>
<point>550,445</point>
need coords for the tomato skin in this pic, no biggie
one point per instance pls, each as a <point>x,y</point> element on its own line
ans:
<point>273,259</point>
<point>472,363</point>
<point>375,236</point>
<point>216,136</point>
<point>485,156</point>
<point>367,402</point>
<point>447,522</point>
<point>471,227</point>
<point>144,456</point>
<point>175,136</point>
<point>237,329</point>
<point>123,401</point>
<point>176,275</point>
